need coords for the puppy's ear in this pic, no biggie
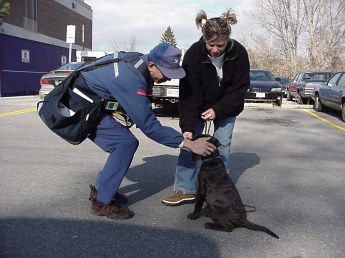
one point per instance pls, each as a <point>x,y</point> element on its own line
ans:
<point>196,157</point>
<point>214,141</point>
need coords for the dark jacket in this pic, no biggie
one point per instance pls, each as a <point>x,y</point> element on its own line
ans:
<point>201,89</point>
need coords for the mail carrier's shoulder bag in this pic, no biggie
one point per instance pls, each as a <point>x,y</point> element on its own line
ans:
<point>72,109</point>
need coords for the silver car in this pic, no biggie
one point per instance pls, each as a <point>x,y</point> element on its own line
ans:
<point>55,77</point>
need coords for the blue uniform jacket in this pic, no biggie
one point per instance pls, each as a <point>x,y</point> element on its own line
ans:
<point>129,87</point>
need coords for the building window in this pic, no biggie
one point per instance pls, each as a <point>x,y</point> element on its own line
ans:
<point>30,18</point>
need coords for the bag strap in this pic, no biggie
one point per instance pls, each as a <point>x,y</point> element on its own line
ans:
<point>104,63</point>
<point>130,57</point>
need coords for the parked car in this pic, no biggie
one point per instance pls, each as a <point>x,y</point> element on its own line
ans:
<point>166,93</point>
<point>303,85</point>
<point>55,77</point>
<point>284,82</point>
<point>331,94</point>
<point>264,87</point>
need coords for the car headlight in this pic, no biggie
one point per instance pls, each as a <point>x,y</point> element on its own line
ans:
<point>276,89</point>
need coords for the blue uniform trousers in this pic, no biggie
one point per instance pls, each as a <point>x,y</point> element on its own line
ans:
<point>121,145</point>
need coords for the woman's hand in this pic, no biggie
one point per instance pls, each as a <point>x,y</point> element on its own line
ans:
<point>208,115</point>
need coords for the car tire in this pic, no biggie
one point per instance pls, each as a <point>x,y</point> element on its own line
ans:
<point>288,96</point>
<point>301,100</point>
<point>343,112</point>
<point>279,102</point>
<point>317,104</point>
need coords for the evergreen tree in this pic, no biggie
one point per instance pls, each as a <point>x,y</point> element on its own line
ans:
<point>4,10</point>
<point>168,37</point>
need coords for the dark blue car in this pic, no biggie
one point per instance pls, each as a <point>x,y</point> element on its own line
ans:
<point>264,88</point>
<point>331,94</point>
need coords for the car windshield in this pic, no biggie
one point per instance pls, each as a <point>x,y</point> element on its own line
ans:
<point>71,66</point>
<point>284,81</point>
<point>316,76</point>
<point>261,76</point>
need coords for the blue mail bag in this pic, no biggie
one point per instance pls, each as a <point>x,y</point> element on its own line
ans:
<point>71,110</point>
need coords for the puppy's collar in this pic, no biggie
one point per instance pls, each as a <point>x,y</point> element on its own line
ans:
<point>208,159</point>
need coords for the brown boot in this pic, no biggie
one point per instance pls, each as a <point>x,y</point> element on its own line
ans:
<point>110,210</point>
<point>118,199</point>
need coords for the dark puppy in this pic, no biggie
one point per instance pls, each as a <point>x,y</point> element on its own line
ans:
<point>224,202</point>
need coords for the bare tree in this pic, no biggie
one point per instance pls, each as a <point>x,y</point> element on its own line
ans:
<point>325,29</point>
<point>125,46</point>
<point>283,19</point>
<point>268,56</point>
<point>299,35</point>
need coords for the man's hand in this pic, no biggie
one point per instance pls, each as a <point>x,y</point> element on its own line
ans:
<point>208,115</point>
<point>200,146</point>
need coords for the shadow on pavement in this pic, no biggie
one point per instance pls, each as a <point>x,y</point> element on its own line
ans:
<point>167,111</point>
<point>24,237</point>
<point>158,173</point>
<point>240,162</point>
<point>331,112</point>
<point>154,175</point>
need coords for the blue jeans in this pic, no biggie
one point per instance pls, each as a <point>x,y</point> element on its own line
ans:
<point>186,173</point>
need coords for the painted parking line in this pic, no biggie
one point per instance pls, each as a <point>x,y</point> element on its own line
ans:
<point>18,112</point>
<point>325,120</point>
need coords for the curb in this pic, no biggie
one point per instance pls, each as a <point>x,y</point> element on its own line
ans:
<point>285,105</point>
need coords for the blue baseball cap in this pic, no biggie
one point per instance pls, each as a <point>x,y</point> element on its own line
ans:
<point>167,58</point>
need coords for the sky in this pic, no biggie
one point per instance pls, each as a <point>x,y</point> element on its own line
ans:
<point>118,21</point>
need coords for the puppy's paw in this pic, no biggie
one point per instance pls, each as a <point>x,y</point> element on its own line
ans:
<point>192,216</point>
<point>209,225</point>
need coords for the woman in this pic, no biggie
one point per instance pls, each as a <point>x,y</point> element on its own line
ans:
<point>217,79</point>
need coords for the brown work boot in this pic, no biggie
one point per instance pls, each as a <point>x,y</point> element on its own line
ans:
<point>110,210</point>
<point>118,199</point>
<point>179,198</point>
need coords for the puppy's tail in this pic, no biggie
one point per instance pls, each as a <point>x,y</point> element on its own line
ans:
<point>252,226</point>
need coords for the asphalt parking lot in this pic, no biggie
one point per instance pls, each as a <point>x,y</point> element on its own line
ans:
<point>286,161</point>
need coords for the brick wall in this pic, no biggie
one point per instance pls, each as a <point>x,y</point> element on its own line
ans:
<point>52,20</point>
<point>54,24</point>
<point>15,17</point>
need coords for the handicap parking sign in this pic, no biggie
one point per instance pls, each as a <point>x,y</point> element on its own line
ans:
<point>25,56</point>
